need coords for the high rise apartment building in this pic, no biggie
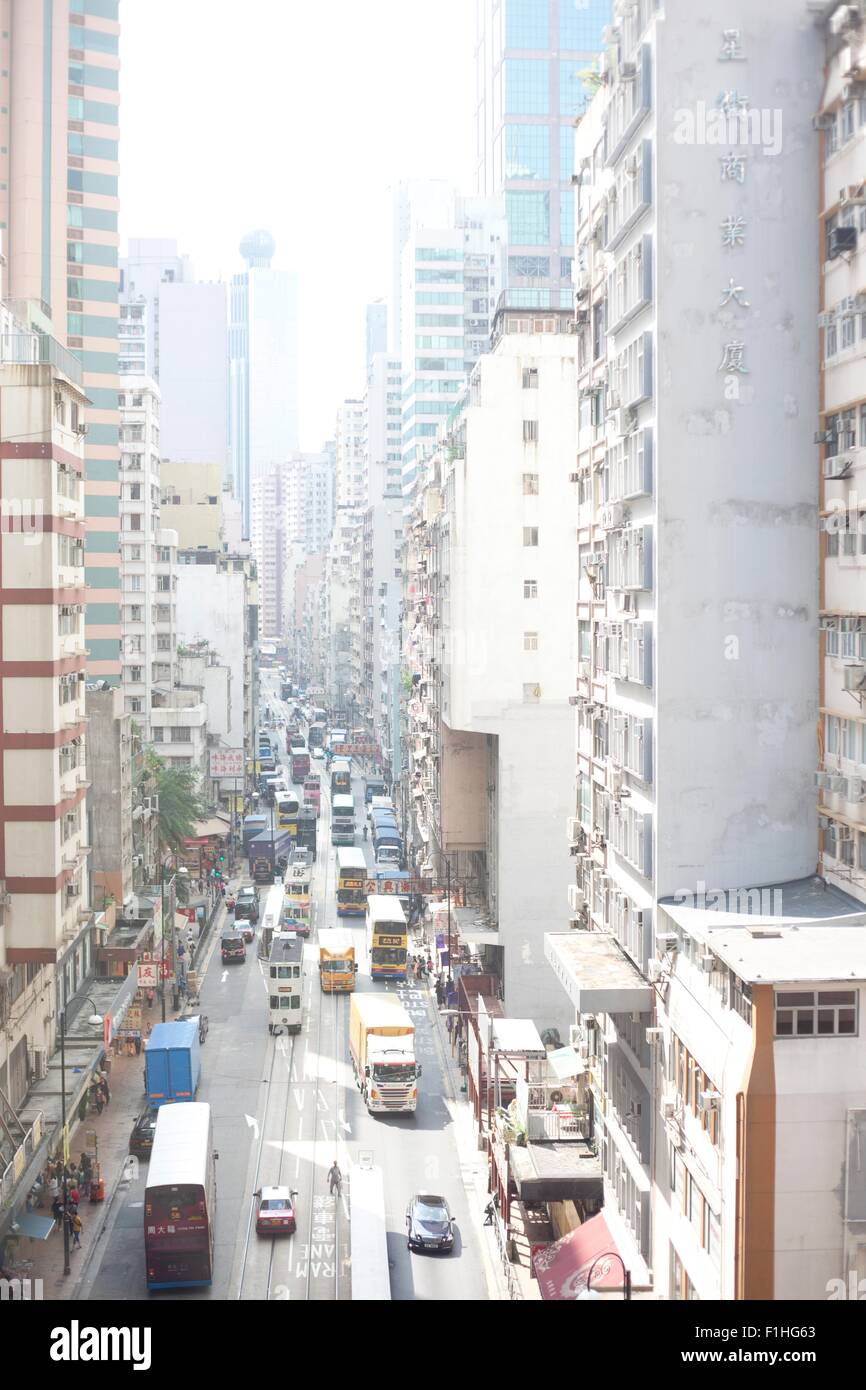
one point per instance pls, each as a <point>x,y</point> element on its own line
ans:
<point>376,336</point>
<point>263,366</point>
<point>451,279</point>
<point>58,212</point>
<point>45,936</point>
<point>351,480</point>
<point>183,344</point>
<point>717,983</point>
<point>533,60</point>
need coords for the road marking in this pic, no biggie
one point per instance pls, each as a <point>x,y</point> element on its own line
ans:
<point>253,1124</point>
<point>224,977</point>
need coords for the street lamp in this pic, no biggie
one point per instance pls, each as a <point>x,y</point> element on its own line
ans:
<point>589,1293</point>
<point>172,957</point>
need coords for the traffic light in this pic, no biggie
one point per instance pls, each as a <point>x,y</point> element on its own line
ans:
<point>222,856</point>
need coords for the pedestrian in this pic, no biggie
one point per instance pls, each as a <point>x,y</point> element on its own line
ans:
<point>439,993</point>
<point>99,1099</point>
<point>74,1195</point>
<point>76,1231</point>
<point>57,1210</point>
<point>335,1179</point>
<point>449,1024</point>
<point>103,1076</point>
<point>429,967</point>
<point>137,1043</point>
<point>150,998</point>
<point>86,1167</point>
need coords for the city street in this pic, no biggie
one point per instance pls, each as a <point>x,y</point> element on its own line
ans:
<point>283,1109</point>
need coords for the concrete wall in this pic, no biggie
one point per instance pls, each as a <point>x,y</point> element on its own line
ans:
<point>736,481</point>
<point>193,347</point>
<point>464,790</point>
<point>210,605</point>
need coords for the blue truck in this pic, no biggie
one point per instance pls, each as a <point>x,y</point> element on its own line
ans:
<point>265,852</point>
<point>172,1062</point>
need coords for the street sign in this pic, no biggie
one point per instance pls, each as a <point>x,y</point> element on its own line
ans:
<point>397,885</point>
<point>148,974</point>
<point>226,762</point>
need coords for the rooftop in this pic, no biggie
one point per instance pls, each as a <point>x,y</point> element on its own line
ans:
<point>597,975</point>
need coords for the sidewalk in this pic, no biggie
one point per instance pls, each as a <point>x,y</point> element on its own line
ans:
<point>510,1280</point>
<point>112,1130</point>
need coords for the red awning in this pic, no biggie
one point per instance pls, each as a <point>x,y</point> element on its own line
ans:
<point>561,1268</point>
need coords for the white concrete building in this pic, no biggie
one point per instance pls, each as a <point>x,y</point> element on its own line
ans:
<point>217,611</point>
<point>500,629</point>
<point>696,681</point>
<point>351,482</point>
<point>841,762</point>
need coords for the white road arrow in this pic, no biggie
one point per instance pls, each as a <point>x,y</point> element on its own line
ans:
<point>224,977</point>
<point>253,1124</point>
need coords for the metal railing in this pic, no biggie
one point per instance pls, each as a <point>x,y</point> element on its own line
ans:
<point>16,1167</point>
<point>503,1241</point>
<point>35,348</point>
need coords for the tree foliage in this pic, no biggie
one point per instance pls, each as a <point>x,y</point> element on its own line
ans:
<point>180,799</point>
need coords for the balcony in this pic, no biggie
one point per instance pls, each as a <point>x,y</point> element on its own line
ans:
<point>555,1109</point>
<point>39,348</point>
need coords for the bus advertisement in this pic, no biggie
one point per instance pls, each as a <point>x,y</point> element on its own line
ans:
<point>296,901</point>
<point>337,964</point>
<point>387,937</point>
<point>350,879</point>
<point>179,1199</point>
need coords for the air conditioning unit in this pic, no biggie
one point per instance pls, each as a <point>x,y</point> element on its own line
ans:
<point>654,970</point>
<point>573,829</point>
<point>856,789</point>
<point>574,477</point>
<point>584,1051</point>
<point>709,1100</point>
<point>610,34</point>
<point>854,677</point>
<point>654,1036</point>
<point>137,861</point>
<point>707,962</point>
<point>628,72</point>
<point>843,17</point>
<point>575,1034</point>
<point>39,1062</point>
<point>669,1109</point>
<point>581,316</point>
<point>612,402</point>
<point>666,940</point>
<point>837,466</point>
<point>576,898</point>
<point>614,779</point>
<point>842,241</point>
<point>625,420</point>
<point>612,516</point>
<point>584,669</point>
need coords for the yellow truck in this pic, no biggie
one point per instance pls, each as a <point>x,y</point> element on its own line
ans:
<point>337,966</point>
<point>382,1045</point>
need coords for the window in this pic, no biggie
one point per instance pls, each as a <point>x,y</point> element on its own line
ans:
<point>530,484</point>
<point>530,535</point>
<point>580,24</point>
<point>528,215</point>
<point>566,154</point>
<point>526,24</point>
<point>528,267</point>
<point>527,87</point>
<point>530,378</point>
<point>530,431</point>
<point>530,588</point>
<point>814,1014</point>
<point>527,152</point>
<point>530,641</point>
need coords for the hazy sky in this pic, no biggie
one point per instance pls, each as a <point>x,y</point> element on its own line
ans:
<point>297,116</point>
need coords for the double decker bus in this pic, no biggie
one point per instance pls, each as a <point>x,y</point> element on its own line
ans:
<point>341,777</point>
<point>271,919</point>
<point>180,1198</point>
<point>337,967</point>
<point>349,882</point>
<point>285,983</point>
<point>387,937</point>
<point>296,886</point>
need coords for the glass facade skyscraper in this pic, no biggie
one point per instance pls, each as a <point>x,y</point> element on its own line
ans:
<point>531,64</point>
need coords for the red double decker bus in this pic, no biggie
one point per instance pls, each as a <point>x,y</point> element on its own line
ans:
<point>180,1198</point>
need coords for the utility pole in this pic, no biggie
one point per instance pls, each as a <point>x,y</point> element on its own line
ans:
<point>448,890</point>
<point>66,1265</point>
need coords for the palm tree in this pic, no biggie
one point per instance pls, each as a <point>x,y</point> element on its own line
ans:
<point>180,800</point>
